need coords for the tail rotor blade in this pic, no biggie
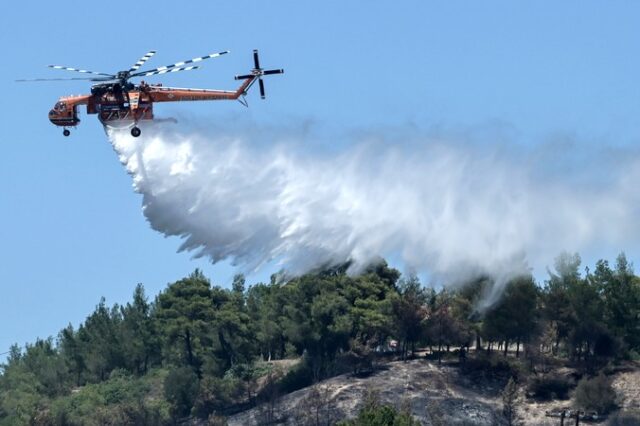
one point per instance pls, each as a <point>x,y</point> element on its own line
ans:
<point>256,61</point>
<point>256,74</point>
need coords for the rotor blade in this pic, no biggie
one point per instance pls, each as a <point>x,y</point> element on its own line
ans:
<point>24,80</point>
<point>179,64</point>
<point>261,88</point>
<point>165,71</point>
<point>256,61</point>
<point>244,77</point>
<point>60,67</point>
<point>269,72</point>
<point>142,60</point>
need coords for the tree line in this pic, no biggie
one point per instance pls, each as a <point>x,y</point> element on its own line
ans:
<point>205,351</point>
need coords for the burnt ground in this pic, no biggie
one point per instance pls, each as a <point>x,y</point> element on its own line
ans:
<point>436,395</point>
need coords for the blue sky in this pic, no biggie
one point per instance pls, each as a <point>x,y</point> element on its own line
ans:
<point>71,227</point>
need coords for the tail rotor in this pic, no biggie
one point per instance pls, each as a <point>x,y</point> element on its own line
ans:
<point>258,73</point>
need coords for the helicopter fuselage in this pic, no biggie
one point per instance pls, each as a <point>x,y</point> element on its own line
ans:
<point>119,103</point>
<point>115,104</point>
<point>119,106</point>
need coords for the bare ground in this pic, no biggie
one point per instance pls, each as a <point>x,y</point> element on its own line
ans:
<point>436,395</point>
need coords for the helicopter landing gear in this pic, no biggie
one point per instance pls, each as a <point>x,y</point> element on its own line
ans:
<point>135,132</point>
<point>66,132</point>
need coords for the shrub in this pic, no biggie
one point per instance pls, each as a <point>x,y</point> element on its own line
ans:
<point>121,400</point>
<point>297,378</point>
<point>180,389</point>
<point>498,368</point>
<point>595,394</point>
<point>549,387</point>
<point>374,413</point>
<point>216,395</point>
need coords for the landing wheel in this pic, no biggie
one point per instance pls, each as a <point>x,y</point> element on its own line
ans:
<point>66,132</point>
<point>135,132</point>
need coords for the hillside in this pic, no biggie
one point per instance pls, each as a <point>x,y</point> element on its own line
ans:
<point>200,352</point>
<point>437,395</point>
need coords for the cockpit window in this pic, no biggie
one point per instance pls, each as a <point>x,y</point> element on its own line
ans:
<point>60,106</point>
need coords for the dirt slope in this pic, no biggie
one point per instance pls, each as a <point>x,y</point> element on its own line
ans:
<point>437,395</point>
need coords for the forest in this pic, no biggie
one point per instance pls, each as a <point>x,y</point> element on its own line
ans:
<point>201,352</point>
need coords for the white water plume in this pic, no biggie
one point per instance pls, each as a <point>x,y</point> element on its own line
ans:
<point>451,209</point>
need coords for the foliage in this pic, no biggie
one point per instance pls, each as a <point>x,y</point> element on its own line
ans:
<point>375,413</point>
<point>409,310</point>
<point>181,389</point>
<point>598,315</point>
<point>200,349</point>
<point>297,378</point>
<point>550,387</point>
<point>485,366</point>
<point>595,394</point>
<point>513,319</point>
<point>216,395</point>
<point>184,312</point>
<point>120,400</point>
<point>141,344</point>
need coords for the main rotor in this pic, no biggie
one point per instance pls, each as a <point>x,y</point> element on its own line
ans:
<point>123,76</point>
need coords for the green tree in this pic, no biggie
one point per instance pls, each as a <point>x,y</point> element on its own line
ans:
<point>586,321</point>
<point>181,389</point>
<point>316,319</point>
<point>264,305</point>
<point>409,313</point>
<point>184,312</point>
<point>100,342</point>
<point>557,306</point>
<point>620,290</point>
<point>72,352</point>
<point>141,343</point>
<point>328,311</point>
<point>445,324</point>
<point>513,318</point>
<point>232,325</point>
<point>49,369</point>
<point>370,298</point>
<point>465,309</point>
<point>22,396</point>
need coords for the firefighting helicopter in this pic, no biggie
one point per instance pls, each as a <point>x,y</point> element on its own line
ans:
<point>120,103</point>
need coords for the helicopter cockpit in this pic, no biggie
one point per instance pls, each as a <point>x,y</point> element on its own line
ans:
<point>60,107</point>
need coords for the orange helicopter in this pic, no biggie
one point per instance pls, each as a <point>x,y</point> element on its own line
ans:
<point>120,103</point>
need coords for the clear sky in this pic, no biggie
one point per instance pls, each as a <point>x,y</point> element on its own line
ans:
<point>70,225</point>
